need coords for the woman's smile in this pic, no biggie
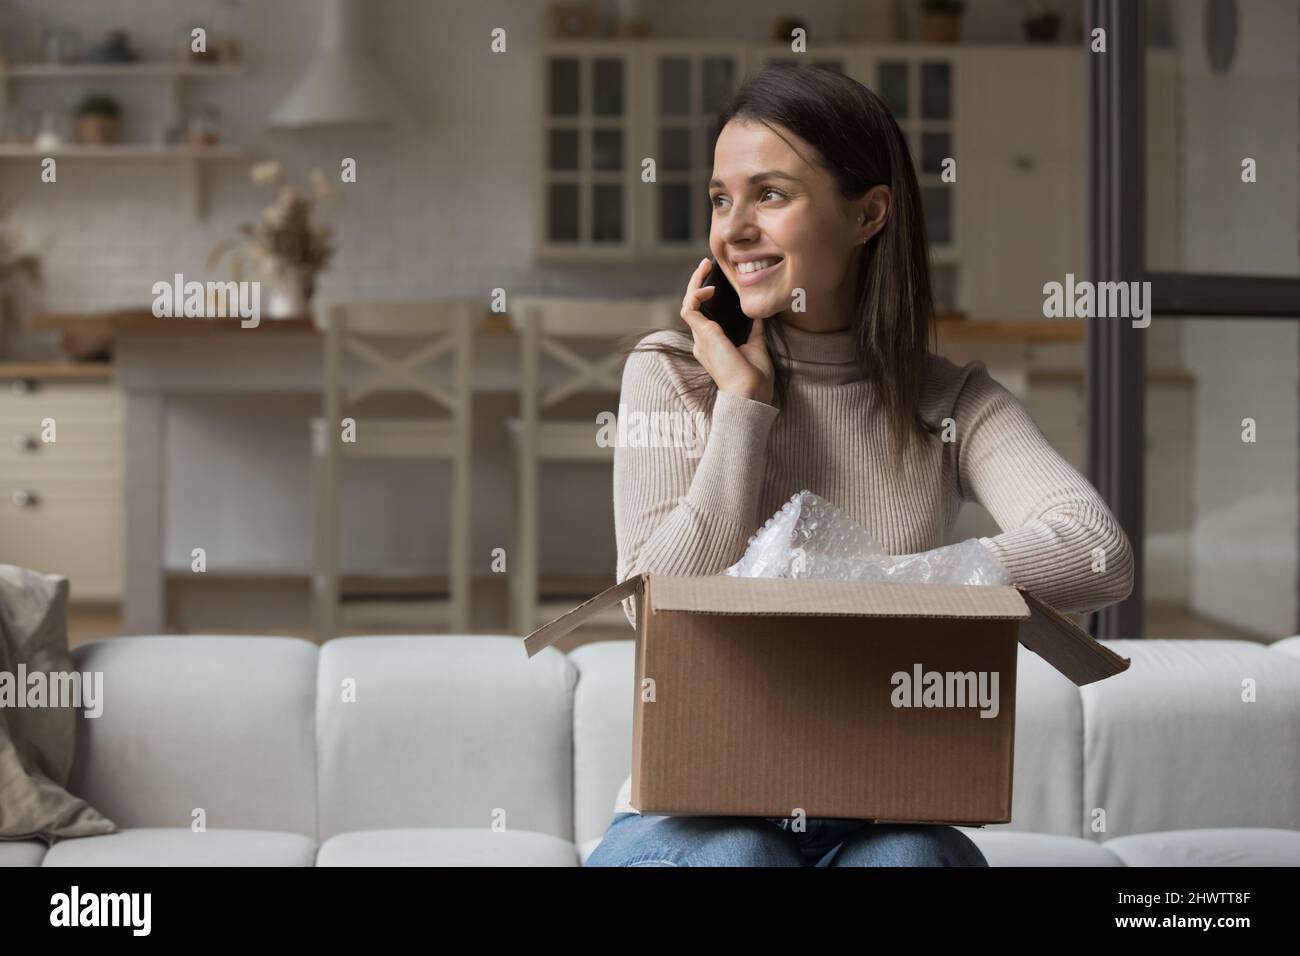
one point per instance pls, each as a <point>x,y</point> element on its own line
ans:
<point>744,278</point>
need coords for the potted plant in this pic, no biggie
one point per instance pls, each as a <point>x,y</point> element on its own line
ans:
<point>288,249</point>
<point>940,20</point>
<point>97,119</point>
<point>1041,22</point>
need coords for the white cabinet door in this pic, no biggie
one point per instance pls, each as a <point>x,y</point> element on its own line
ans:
<point>1022,229</point>
<point>1021,180</point>
<point>1022,101</point>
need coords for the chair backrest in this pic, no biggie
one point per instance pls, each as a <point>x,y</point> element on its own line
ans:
<point>543,321</point>
<point>448,325</point>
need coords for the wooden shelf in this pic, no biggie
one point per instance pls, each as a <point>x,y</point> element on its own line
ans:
<point>173,76</point>
<point>138,70</point>
<point>109,324</point>
<point>120,151</point>
<point>57,371</point>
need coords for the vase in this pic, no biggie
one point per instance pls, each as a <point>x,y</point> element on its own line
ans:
<point>97,130</point>
<point>288,294</point>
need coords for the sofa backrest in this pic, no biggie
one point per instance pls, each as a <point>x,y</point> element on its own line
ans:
<point>468,731</point>
<point>1194,734</point>
<point>444,732</point>
<point>225,724</point>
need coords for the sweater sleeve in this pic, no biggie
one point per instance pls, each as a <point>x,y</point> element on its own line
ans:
<point>680,508</point>
<point>1058,540</point>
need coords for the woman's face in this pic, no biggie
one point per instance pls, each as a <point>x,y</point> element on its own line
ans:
<point>770,204</point>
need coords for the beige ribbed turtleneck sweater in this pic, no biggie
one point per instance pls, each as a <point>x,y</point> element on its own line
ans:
<point>685,513</point>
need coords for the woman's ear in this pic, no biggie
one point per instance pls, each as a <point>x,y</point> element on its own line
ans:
<point>874,212</point>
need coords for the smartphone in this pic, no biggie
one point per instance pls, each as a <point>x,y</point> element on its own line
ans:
<point>723,306</point>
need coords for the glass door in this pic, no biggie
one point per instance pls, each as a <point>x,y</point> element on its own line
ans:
<point>1194,416</point>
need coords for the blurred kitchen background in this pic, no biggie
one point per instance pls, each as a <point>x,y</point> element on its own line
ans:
<point>518,170</point>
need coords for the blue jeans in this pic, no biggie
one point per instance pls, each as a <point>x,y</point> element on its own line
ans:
<point>636,840</point>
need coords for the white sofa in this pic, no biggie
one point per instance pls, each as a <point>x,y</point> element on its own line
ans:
<point>462,750</point>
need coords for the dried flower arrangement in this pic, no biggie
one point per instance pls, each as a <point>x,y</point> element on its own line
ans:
<point>286,246</point>
<point>20,270</point>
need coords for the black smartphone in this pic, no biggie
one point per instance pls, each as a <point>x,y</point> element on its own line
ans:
<point>723,306</point>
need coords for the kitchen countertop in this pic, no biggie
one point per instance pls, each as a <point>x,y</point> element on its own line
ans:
<point>142,321</point>
<point>60,371</point>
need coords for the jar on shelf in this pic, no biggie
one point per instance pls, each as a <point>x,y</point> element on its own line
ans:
<point>204,127</point>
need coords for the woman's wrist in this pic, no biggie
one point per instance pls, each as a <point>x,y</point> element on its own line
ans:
<point>752,393</point>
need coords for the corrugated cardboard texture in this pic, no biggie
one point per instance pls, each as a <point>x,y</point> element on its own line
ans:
<point>766,697</point>
<point>721,594</point>
<point>1071,650</point>
<point>765,715</point>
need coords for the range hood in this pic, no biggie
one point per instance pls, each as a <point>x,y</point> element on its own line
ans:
<point>342,86</point>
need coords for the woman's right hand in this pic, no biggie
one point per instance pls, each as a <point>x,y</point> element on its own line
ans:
<point>745,371</point>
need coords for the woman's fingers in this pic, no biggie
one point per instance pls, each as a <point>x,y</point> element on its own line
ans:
<point>694,286</point>
<point>697,277</point>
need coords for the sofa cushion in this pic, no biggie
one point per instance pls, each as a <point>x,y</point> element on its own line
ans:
<point>1288,645</point>
<point>222,724</point>
<point>22,852</point>
<point>1003,847</point>
<point>181,846</point>
<point>602,733</point>
<point>444,731</point>
<point>37,743</point>
<point>1170,743</point>
<point>1047,765</point>
<point>1224,846</point>
<point>588,847</point>
<point>446,846</point>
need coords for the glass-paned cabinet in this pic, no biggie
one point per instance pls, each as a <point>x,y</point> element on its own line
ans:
<point>689,86</point>
<point>609,105</point>
<point>587,95</point>
<point>919,90</point>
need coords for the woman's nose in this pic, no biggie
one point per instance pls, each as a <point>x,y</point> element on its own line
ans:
<point>739,226</point>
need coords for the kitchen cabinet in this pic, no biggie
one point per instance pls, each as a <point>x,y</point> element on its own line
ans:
<point>61,500</point>
<point>1013,117</point>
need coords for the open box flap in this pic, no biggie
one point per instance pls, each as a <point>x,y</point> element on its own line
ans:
<point>1070,649</point>
<point>1044,630</point>
<point>548,634</point>
<point>723,594</point>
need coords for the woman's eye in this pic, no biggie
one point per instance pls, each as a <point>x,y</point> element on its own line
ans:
<point>714,200</point>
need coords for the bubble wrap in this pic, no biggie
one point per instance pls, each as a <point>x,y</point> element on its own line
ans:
<point>811,538</point>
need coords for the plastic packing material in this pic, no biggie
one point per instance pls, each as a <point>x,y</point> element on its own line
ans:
<point>811,538</point>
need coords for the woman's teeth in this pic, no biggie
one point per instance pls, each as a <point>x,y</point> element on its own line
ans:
<point>755,266</point>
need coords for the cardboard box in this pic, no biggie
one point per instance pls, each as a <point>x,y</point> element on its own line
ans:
<point>766,697</point>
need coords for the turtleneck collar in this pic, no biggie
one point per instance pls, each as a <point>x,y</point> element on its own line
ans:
<point>821,358</point>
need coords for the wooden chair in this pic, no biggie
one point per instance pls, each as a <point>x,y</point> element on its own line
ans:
<point>543,323</point>
<point>354,329</point>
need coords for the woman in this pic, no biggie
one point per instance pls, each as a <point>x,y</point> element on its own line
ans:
<point>836,390</point>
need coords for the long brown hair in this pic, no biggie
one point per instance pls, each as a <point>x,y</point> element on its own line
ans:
<point>859,143</point>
